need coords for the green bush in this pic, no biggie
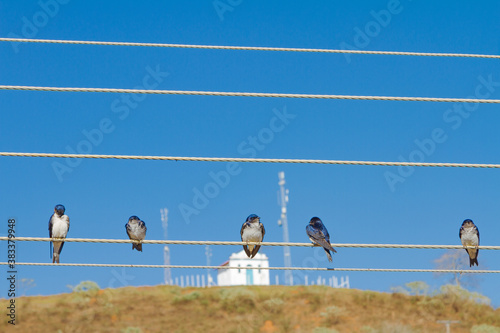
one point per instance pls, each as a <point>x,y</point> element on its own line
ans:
<point>182,299</point>
<point>388,328</point>
<point>454,292</point>
<point>237,299</point>
<point>84,292</point>
<point>484,328</point>
<point>86,286</point>
<point>132,330</point>
<point>417,288</point>
<point>324,330</point>
<point>399,290</point>
<point>273,305</point>
<point>332,315</point>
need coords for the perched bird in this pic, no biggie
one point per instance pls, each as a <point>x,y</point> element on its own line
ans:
<point>136,230</point>
<point>58,228</point>
<point>469,235</point>
<point>319,235</point>
<point>252,231</point>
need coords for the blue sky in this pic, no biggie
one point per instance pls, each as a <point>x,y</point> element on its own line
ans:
<point>357,203</point>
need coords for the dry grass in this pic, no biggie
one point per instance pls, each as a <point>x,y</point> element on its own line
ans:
<point>256,309</point>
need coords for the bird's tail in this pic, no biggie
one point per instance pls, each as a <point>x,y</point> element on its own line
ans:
<point>472,256</point>
<point>328,254</point>
<point>473,261</point>
<point>255,250</point>
<point>50,250</point>
<point>247,251</point>
<point>325,244</point>
<point>138,247</point>
<point>57,246</point>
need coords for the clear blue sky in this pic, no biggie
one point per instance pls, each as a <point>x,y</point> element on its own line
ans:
<point>357,203</point>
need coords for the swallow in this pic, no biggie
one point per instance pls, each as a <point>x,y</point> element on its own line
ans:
<point>136,230</point>
<point>469,235</point>
<point>319,235</point>
<point>58,228</point>
<point>252,231</point>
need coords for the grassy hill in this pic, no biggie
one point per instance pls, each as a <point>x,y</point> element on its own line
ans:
<point>317,309</point>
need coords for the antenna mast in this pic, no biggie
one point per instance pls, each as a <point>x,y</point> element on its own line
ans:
<point>166,251</point>
<point>283,221</point>
<point>208,253</point>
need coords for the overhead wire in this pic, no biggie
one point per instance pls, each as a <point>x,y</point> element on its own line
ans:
<point>251,160</point>
<point>194,242</point>
<point>250,94</point>
<point>248,48</point>
<point>212,159</point>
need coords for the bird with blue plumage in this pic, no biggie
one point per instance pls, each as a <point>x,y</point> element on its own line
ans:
<point>58,228</point>
<point>318,234</point>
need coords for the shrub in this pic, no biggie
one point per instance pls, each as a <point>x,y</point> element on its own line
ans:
<point>86,286</point>
<point>324,330</point>
<point>453,292</point>
<point>273,305</point>
<point>395,328</point>
<point>417,288</point>
<point>85,292</point>
<point>332,315</point>
<point>132,330</point>
<point>237,299</point>
<point>182,299</point>
<point>399,290</point>
<point>484,328</point>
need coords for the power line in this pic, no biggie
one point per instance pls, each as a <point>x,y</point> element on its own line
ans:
<point>252,160</point>
<point>186,242</point>
<point>400,270</point>
<point>249,48</point>
<point>251,94</point>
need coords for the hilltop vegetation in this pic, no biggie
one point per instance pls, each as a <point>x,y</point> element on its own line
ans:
<point>265,309</point>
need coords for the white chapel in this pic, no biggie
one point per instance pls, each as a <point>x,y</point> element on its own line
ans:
<point>245,277</point>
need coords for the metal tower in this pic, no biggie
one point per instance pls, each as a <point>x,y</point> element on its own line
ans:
<point>166,251</point>
<point>208,252</point>
<point>282,201</point>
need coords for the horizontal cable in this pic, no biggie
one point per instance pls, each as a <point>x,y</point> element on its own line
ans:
<point>266,268</point>
<point>182,242</point>
<point>251,160</point>
<point>250,94</point>
<point>248,48</point>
